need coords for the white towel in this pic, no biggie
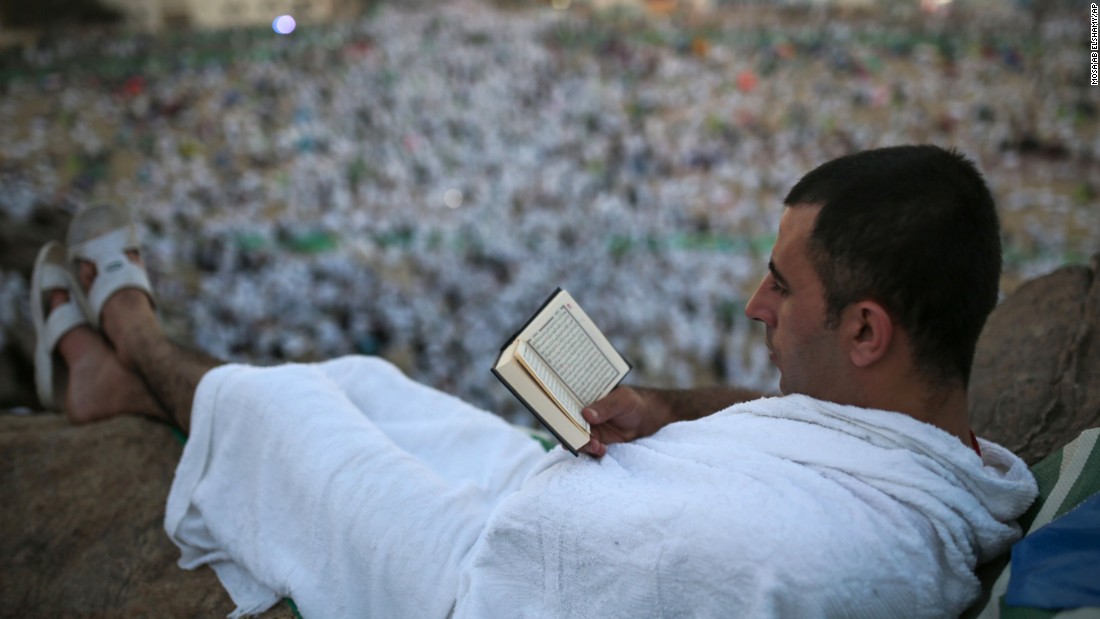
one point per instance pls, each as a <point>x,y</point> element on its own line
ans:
<point>301,481</point>
<point>360,493</point>
<point>786,507</point>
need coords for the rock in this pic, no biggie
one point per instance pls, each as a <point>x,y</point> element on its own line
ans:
<point>1036,378</point>
<point>83,523</point>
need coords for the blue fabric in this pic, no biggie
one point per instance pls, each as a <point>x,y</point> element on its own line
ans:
<point>1058,566</point>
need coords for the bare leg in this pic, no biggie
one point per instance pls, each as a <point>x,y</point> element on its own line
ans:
<point>99,385</point>
<point>170,372</point>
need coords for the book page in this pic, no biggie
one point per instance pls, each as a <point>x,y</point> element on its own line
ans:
<point>568,363</point>
<point>552,383</point>
<point>565,346</point>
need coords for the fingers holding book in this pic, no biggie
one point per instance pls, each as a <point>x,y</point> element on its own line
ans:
<point>625,414</point>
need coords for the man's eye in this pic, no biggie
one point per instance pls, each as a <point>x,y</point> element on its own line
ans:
<point>775,287</point>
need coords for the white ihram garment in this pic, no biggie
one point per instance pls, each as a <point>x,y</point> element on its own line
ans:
<point>360,493</point>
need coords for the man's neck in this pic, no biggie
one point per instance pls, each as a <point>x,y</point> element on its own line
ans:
<point>895,383</point>
<point>951,413</point>
<point>947,409</point>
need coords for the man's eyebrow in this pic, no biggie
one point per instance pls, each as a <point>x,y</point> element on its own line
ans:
<point>777,275</point>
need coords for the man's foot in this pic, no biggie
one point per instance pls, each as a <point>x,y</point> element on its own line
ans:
<point>100,386</point>
<point>114,292</point>
<point>127,317</point>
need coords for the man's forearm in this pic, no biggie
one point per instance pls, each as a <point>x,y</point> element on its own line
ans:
<point>687,404</point>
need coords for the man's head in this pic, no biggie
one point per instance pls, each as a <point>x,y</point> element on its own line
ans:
<point>911,231</point>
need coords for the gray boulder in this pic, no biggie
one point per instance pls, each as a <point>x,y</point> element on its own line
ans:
<point>1036,378</point>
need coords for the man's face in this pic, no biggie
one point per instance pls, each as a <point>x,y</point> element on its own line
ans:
<point>791,304</point>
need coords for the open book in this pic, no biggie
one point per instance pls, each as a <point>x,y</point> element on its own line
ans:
<point>557,364</point>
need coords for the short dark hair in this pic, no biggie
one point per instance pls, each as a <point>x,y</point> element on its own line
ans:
<point>915,229</point>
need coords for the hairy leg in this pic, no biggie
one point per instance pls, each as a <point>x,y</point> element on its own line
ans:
<point>99,385</point>
<point>170,372</point>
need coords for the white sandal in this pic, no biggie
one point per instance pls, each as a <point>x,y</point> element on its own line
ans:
<point>102,235</point>
<point>51,273</point>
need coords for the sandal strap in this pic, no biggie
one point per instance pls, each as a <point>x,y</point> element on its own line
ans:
<point>48,372</point>
<point>114,270</point>
<point>120,274</point>
<point>62,319</point>
<point>54,277</point>
<point>106,247</point>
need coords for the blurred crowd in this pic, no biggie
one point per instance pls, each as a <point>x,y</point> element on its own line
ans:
<point>415,183</point>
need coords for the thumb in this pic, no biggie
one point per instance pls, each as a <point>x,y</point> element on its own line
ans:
<point>621,400</point>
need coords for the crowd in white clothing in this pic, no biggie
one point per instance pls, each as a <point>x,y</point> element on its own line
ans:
<point>415,183</point>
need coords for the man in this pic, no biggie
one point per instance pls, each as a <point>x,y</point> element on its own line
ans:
<point>861,492</point>
<point>879,284</point>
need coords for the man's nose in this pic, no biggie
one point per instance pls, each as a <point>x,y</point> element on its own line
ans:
<point>758,307</point>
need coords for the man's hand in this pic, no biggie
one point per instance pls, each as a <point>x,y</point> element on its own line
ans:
<point>624,415</point>
<point>628,413</point>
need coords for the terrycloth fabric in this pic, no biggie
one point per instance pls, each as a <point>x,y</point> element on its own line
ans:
<point>362,494</point>
<point>788,507</point>
<point>298,481</point>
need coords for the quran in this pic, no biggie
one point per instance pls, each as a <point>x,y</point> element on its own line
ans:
<point>557,364</point>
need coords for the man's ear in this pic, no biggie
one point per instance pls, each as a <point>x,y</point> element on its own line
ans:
<point>869,330</point>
